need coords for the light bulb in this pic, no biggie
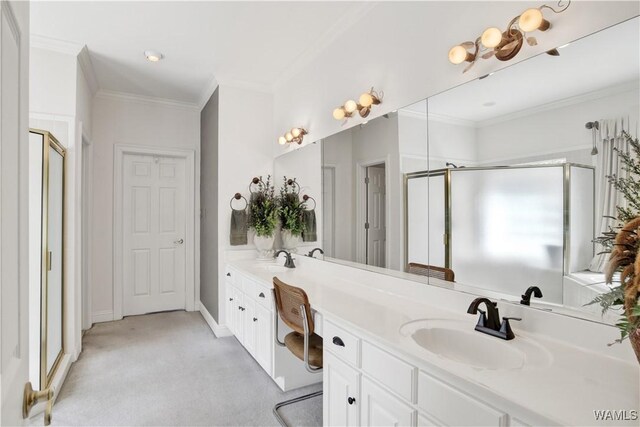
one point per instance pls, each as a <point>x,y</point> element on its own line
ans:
<point>366,100</point>
<point>338,113</point>
<point>350,106</point>
<point>288,136</point>
<point>491,37</point>
<point>532,20</point>
<point>282,140</point>
<point>457,55</point>
<point>295,132</point>
<point>153,56</point>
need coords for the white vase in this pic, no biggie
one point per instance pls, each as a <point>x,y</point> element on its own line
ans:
<point>264,246</point>
<point>289,241</point>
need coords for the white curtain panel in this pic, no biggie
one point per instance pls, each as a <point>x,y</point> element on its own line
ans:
<point>607,165</point>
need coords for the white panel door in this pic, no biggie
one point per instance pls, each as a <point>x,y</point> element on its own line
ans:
<point>250,319</point>
<point>154,214</point>
<point>341,399</point>
<point>264,336</point>
<point>14,285</point>
<point>381,408</point>
<point>376,217</point>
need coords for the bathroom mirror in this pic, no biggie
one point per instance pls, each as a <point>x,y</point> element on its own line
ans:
<point>303,163</point>
<point>518,173</point>
<point>363,171</point>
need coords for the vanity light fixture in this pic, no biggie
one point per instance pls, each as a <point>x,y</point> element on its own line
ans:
<point>505,45</point>
<point>363,106</point>
<point>153,55</point>
<point>294,135</point>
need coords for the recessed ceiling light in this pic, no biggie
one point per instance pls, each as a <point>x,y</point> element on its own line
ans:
<point>153,55</point>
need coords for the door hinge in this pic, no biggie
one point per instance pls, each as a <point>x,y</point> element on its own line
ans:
<point>366,180</point>
<point>366,225</point>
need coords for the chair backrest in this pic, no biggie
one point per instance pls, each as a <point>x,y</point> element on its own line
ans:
<point>431,271</point>
<point>288,301</point>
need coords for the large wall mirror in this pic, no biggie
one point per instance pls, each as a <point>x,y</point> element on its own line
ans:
<point>519,166</point>
<point>493,186</point>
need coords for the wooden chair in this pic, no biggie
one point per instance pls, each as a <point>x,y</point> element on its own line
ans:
<point>431,271</point>
<point>292,306</point>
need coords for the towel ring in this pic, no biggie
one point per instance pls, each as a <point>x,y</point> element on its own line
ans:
<point>255,181</point>
<point>307,197</point>
<point>238,196</point>
<point>294,184</point>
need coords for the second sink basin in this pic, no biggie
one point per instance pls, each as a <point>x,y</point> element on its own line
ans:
<point>459,342</point>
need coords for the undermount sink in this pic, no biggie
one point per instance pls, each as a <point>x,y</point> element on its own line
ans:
<point>274,268</point>
<point>459,342</point>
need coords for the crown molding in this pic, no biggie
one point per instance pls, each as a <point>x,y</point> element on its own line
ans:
<point>442,118</point>
<point>144,99</point>
<point>211,87</point>
<point>55,45</point>
<point>247,85</point>
<point>565,102</point>
<point>331,34</point>
<point>84,59</point>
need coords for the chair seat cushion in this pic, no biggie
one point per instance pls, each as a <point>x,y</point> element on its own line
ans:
<point>295,343</point>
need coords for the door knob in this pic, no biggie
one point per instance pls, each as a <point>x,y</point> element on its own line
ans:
<point>31,397</point>
<point>179,242</point>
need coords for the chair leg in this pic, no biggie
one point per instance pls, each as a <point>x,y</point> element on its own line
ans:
<point>291,401</point>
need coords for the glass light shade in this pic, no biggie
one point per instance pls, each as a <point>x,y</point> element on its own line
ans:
<point>288,136</point>
<point>491,37</point>
<point>295,132</point>
<point>282,140</point>
<point>366,100</point>
<point>153,55</point>
<point>350,106</point>
<point>530,20</point>
<point>457,55</point>
<point>338,113</point>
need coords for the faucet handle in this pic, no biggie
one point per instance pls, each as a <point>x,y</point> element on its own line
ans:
<point>505,327</point>
<point>512,318</point>
<point>482,318</point>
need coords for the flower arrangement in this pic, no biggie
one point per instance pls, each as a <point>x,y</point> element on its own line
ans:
<point>291,208</point>
<point>623,243</point>
<point>264,209</point>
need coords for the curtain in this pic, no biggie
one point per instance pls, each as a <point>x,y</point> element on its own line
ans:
<point>608,165</point>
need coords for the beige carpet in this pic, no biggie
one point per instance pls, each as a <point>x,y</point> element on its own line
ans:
<point>169,369</point>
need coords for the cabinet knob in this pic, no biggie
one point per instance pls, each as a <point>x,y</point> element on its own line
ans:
<point>261,295</point>
<point>230,299</point>
<point>228,274</point>
<point>351,400</point>
<point>338,341</point>
<point>255,319</point>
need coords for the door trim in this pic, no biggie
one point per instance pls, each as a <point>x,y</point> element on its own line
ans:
<point>120,150</point>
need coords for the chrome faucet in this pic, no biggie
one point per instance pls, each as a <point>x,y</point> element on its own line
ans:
<point>489,321</point>
<point>289,261</point>
<point>311,252</point>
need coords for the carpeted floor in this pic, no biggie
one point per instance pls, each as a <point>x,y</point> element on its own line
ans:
<point>169,369</point>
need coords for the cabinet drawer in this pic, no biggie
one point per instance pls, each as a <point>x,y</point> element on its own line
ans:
<point>453,407</point>
<point>341,343</point>
<point>263,296</point>
<point>231,275</point>
<point>249,287</point>
<point>394,373</point>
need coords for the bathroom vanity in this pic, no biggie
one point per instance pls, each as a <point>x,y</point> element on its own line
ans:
<point>393,357</point>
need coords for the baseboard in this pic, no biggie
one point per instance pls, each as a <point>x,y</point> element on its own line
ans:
<point>102,316</point>
<point>218,331</point>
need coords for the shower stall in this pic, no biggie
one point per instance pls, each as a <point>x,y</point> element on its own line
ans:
<point>503,228</point>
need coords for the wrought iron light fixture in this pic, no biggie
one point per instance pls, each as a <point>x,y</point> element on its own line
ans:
<point>505,45</point>
<point>363,106</point>
<point>295,135</point>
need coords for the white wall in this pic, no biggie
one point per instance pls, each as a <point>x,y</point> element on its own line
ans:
<point>245,126</point>
<point>401,48</point>
<point>52,80</point>
<point>132,121</point>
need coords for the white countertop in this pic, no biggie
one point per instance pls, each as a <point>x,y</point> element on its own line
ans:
<point>566,391</point>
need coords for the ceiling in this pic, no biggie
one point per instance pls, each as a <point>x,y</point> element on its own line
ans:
<point>608,58</point>
<point>253,44</point>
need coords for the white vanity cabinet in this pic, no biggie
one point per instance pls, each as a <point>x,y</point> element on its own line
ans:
<point>387,390</point>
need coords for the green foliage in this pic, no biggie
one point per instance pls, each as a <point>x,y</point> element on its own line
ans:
<point>291,208</point>
<point>628,184</point>
<point>264,209</point>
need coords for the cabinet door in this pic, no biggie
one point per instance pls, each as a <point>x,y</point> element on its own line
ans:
<point>238,314</point>
<point>228,306</point>
<point>264,337</point>
<point>250,325</point>
<point>341,398</point>
<point>381,408</point>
